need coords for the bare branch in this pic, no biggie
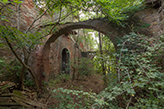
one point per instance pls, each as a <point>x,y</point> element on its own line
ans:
<point>35,21</point>
<point>127,107</point>
<point>56,23</point>
<point>58,19</point>
<point>60,13</point>
<point>18,16</point>
<point>31,26</point>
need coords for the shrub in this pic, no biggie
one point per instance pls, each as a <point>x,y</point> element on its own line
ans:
<point>140,80</point>
<point>84,68</point>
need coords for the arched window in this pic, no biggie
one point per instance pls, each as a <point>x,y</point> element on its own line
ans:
<point>65,61</point>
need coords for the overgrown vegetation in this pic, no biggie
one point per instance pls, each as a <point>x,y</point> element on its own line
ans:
<point>71,99</point>
<point>133,74</point>
<point>140,80</point>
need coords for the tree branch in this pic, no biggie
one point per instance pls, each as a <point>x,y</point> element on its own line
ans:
<point>5,6</point>
<point>127,107</point>
<point>56,23</point>
<point>20,60</point>
<point>38,40</point>
<point>35,21</point>
<point>58,19</point>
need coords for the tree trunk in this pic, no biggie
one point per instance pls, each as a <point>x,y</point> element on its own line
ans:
<point>73,75</point>
<point>22,73</point>
<point>102,60</point>
<point>21,78</point>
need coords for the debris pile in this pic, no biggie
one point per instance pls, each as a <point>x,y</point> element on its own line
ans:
<point>14,99</point>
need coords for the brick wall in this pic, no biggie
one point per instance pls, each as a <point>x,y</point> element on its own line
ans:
<point>56,53</point>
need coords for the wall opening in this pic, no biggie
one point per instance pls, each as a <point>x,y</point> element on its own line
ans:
<point>99,25</point>
<point>65,61</point>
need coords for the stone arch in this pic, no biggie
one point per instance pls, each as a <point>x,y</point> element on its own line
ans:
<point>65,61</point>
<point>103,25</point>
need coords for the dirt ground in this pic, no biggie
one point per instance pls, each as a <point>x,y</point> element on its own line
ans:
<point>93,83</point>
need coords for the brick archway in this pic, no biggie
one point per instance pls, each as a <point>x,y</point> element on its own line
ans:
<point>103,25</point>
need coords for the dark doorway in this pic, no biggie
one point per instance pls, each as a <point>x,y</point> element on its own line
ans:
<point>65,61</point>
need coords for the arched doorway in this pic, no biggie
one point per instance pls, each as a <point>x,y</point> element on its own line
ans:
<point>65,61</point>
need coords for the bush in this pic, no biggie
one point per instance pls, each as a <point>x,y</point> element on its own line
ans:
<point>84,68</point>
<point>140,80</point>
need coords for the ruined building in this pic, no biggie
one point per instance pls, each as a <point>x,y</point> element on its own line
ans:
<point>59,48</point>
<point>63,50</point>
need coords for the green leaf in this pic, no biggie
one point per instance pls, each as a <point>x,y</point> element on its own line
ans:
<point>131,91</point>
<point>4,1</point>
<point>17,1</point>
